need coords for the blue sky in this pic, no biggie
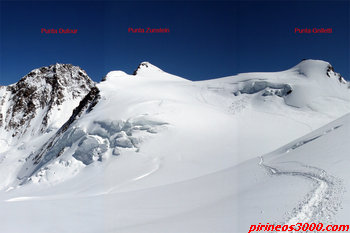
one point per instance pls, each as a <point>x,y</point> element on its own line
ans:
<point>206,40</point>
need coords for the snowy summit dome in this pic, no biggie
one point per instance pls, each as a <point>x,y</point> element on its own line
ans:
<point>317,69</point>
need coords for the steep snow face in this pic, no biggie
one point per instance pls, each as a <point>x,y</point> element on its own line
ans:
<point>64,138</point>
<point>42,100</point>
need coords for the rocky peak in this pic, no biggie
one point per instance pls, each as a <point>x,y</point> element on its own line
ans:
<point>41,92</point>
<point>57,76</point>
<point>145,66</point>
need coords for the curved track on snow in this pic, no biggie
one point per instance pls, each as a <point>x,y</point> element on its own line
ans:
<point>321,204</point>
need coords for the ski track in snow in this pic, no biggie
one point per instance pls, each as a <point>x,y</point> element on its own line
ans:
<point>321,204</point>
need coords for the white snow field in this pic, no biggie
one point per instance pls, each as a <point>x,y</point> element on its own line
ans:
<point>153,152</point>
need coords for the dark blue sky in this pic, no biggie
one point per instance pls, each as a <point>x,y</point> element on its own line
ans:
<point>206,39</point>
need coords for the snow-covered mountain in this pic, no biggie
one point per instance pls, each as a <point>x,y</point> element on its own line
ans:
<point>171,155</point>
<point>34,108</point>
<point>42,99</point>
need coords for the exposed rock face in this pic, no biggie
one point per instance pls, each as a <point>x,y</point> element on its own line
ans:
<point>141,65</point>
<point>40,95</point>
<point>85,105</point>
<point>331,72</point>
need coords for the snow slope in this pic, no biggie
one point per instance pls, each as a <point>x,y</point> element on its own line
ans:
<point>271,109</point>
<point>153,152</point>
<point>320,157</point>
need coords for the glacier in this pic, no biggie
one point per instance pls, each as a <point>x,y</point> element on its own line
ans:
<point>154,152</point>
